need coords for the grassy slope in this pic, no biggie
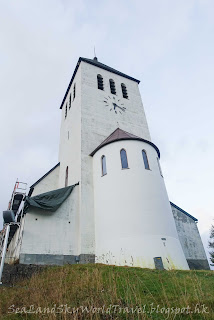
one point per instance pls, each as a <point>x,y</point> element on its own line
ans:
<point>99,285</point>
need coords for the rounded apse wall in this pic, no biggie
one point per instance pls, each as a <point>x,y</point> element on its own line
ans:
<point>133,218</point>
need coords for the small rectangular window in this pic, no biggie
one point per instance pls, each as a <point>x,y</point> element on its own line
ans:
<point>66,177</point>
<point>74,91</point>
<point>70,101</point>
<point>159,167</point>
<point>103,162</point>
<point>145,160</point>
<point>66,110</point>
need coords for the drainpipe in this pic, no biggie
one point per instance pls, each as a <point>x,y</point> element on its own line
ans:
<point>4,250</point>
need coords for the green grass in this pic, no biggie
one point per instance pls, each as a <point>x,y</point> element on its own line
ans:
<point>115,290</point>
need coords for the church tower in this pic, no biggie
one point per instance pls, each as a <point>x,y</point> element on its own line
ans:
<point>124,215</point>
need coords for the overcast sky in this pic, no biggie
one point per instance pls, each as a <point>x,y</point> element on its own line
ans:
<point>167,44</point>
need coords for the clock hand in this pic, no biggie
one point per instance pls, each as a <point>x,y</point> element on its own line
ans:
<point>122,108</point>
<point>115,105</point>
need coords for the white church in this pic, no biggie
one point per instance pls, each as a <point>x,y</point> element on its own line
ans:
<point>105,201</point>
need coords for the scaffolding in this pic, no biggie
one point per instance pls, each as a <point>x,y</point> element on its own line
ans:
<point>18,195</point>
<point>12,218</point>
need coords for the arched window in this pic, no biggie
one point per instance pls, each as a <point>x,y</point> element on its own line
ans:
<point>145,159</point>
<point>159,167</point>
<point>112,86</point>
<point>66,177</point>
<point>124,91</point>
<point>74,91</point>
<point>103,162</point>
<point>100,82</point>
<point>66,110</point>
<point>123,157</point>
<point>70,101</point>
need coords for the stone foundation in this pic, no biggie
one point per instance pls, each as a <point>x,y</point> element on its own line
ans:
<point>198,264</point>
<point>60,260</point>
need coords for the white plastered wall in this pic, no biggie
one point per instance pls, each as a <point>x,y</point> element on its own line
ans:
<point>54,233</point>
<point>70,144</point>
<point>48,183</point>
<point>70,136</point>
<point>132,210</point>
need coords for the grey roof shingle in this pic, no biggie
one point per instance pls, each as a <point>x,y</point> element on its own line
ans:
<point>120,134</point>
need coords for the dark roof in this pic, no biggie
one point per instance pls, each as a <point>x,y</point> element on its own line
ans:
<point>189,215</point>
<point>98,64</point>
<point>45,175</point>
<point>119,135</point>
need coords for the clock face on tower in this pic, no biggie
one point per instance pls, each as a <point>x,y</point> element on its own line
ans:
<point>114,105</point>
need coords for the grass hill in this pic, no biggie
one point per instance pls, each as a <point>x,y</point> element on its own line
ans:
<point>110,292</point>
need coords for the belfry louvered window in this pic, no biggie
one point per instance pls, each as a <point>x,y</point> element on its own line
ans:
<point>124,160</point>
<point>145,160</point>
<point>100,82</point>
<point>112,86</point>
<point>70,101</point>
<point>103,163</point>
<point>124,91</point>
<point>66,110</point>
<point>74,91</point>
